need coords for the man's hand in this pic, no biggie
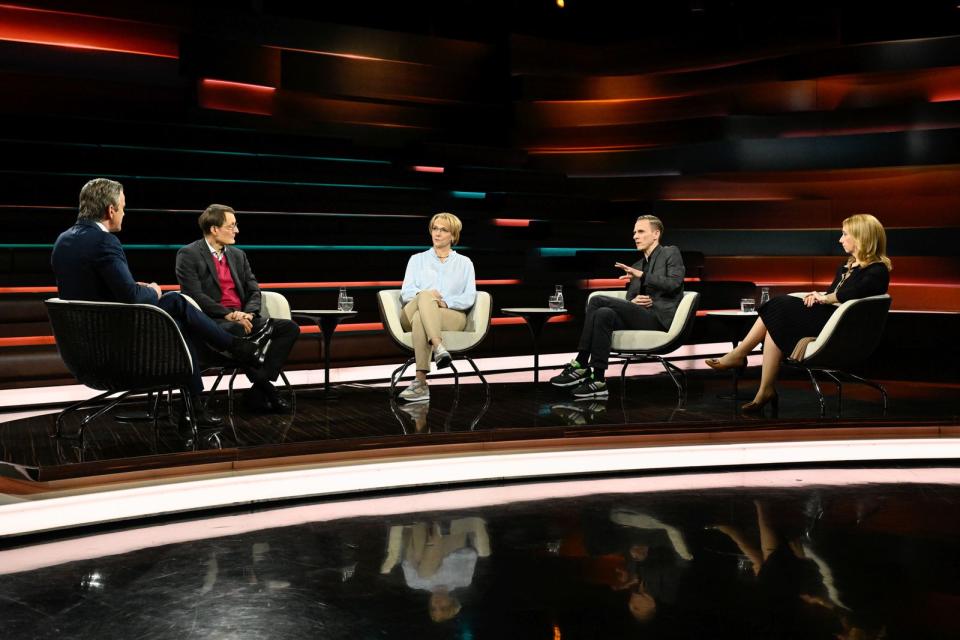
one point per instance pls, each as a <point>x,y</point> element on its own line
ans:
<point>630,271</point>
<point>643,301</point>
<point>154,286</point>
<point>245,320</point>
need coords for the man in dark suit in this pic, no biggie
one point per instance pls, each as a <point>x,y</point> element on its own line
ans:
<point>218,276</point>
<point>89,264</point>
<point>654,293</point>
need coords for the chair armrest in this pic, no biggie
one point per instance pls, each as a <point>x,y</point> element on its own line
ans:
<point>622,295</point>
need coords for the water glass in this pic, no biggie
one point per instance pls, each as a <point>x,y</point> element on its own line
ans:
<point>748,305</point>
<point>555,303</point>
<point>346,304</point>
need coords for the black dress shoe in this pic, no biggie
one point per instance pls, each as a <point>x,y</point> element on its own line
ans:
<point>205,420</point>
<point>279,405</point>
<point>272,399</point>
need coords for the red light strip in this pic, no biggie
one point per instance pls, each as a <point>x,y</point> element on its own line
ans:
<point>81,31</point>
<point>511,222</point>
<point>422,168</point>
<point>224,95</point>
<point>607,283</point>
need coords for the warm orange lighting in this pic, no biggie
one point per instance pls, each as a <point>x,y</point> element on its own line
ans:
<point>236,96</point>
<point>422,168</point>
<point>80,31</point>
<point>561,4</point>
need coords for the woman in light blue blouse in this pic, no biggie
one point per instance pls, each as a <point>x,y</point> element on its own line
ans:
<point>439,288</point>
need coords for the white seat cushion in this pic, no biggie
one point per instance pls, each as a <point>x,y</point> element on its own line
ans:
<point>478,321</point>
<point>638,340</point>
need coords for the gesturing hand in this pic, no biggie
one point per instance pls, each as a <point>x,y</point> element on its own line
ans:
<point>630,271</point>
<point>643,301</point>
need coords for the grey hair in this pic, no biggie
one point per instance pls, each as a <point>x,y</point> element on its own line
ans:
<point>96,196</point>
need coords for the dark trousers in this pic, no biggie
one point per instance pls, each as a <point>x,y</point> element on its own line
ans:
<point>197,329</point>
<point>285,334</point>
<point>606,315</point>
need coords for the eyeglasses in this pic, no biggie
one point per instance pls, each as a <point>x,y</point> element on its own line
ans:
<point>230,227</point>
<point>444,229</point>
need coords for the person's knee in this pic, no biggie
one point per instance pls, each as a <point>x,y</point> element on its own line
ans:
<point>605,315</point>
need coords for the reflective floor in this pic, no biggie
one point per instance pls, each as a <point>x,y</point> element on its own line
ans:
<point>800,553</point>
<point>363,416</point>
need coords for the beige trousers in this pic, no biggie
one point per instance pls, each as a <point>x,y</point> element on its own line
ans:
<point>426,319</point>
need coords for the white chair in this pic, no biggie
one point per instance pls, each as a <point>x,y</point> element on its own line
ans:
<point>458,343</point>
<point>646,345</point>
<point>850,336</point>
<point>272,305</point>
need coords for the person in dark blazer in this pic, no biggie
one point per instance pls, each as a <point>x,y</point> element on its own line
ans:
<point>786,320</point>
<point>218,276</point>
<point>89,264</point>
<point>653,295</point>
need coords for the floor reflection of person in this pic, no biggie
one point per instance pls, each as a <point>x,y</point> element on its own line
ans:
<point>439,557</point>
<point>418,413</point>
<point>795,590</point>
<point>659,556</point>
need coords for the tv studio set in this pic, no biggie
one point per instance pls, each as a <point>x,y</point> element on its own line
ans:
<point>480,319</point>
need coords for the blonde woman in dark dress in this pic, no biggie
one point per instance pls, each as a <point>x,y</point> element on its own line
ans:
<point>784,320</point>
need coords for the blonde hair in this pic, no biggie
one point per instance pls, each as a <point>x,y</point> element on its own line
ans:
<point>452,221</point>
<point>871,240</point>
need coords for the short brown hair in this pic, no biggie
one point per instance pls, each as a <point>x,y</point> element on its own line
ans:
<point>451,221</point>
<point>214,216</point>
<point>654,221</point>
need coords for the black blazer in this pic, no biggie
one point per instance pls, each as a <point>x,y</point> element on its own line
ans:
<point>89,264</point>
<point>662,280</point>
<point>197,275</point>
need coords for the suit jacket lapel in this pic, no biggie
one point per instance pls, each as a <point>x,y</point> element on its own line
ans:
<point>208,260</point>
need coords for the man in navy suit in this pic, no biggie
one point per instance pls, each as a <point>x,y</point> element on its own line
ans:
<point>89,264</point>
<point>218,276</point>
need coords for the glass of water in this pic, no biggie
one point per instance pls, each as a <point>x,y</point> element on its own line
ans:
<point>748,305</point>
<point>346,303</point>
<point>555,303</point>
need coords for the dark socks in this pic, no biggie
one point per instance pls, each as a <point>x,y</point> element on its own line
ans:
<point>583,358</point>
<point>598,373</point>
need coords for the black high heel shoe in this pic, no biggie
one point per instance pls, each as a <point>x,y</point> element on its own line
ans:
<point>754,407</point>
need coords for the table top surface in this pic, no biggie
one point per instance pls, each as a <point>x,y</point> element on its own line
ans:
<point>731,312</point>
<point>532,310</point>
<point>324,312</point>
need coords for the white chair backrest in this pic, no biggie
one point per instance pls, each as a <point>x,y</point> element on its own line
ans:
<point>392,308</point>
<point>835,319</point>
<point>684,309</point>
<point>274,305</point>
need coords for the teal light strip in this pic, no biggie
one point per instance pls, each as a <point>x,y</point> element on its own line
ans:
<point>212,152</point>
<point>268,247</point>
<point>246,154</point>
<point>286,183</point>
<point>555,252</point>
<point>472,195</point>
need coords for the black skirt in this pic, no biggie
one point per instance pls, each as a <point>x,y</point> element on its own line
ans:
<point>787,320</point>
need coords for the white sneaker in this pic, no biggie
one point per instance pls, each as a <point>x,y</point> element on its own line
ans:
<point>442,357</point>
<point>416,392</point>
